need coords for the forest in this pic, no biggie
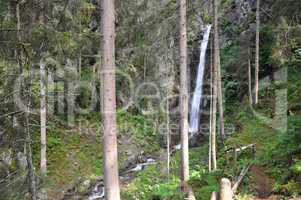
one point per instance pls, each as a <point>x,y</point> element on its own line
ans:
<point>150,99</point>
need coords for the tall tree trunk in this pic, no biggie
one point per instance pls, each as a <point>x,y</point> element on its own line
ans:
<point>43,103</point>
<point>71,103</point>
<point>19,58</point>
<point>79,70</point>
<point>56,93</point>
<point>215,84</point>
<point>65,95</point>
<point>213,129</point>
<point>219,78</point>
<point>69,92</point>
<point>94,89</point>
<point>80,64</point>
<point>167,136</point>
<point>250,83</point>
<point>257,51</point>
<point>210,113</point>
<point>184,96</point>
<point>51,91</point>
<point>19,37</point>
<point>43,165</point>
<point>220,102</point>
<point>31,175</point>
<point>226,190</point>
<point>111,177</point>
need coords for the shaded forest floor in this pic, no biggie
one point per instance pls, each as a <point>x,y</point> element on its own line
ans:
<point>274,175</point>
<point>75,154</point>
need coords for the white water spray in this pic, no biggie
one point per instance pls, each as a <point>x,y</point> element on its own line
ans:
<point>198,92</point>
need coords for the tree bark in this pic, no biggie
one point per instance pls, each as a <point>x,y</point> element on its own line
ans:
<point>213,196</point>
<point>43,104</point>
<point>111,176</point>
<point>210,115</point>
<point>167,136</point>
<point>43,162</point>
<point>191,195</point>
<point>19,37</point>
<point>215,85</point>
<point>50,89</point>
<point>220,101</point>
<point>184,96</point>
<point>94,89</point>
<point>19,58</point>
<point>226,190</point>
<point>71,103</point>
<point>219,79</point>
<point>250,83</point>
<point>79,67</point>
<point>257,51</point>
<point>65,95</point>
<point>19,53</point>
<point>31,175</point>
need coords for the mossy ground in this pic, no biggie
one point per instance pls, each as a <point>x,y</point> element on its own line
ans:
<point>74,153</point>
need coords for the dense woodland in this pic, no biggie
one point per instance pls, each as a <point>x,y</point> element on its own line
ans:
<point>150,99</point>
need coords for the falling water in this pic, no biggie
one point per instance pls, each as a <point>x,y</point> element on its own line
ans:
<point>198,92</point>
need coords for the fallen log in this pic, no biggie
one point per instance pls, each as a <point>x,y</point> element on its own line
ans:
<point>240,178</point>
<point>237,150</point>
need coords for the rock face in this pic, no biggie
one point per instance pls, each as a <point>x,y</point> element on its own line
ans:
<point>98,192</point>
<point>42,195</point>
<point>242,10</point>
<point>21,160</point>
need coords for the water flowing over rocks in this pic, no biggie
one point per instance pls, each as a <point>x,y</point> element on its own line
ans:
<point>95,190</point>
<point>198,92</point>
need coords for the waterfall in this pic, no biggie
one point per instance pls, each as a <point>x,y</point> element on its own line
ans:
<point>198,92</point>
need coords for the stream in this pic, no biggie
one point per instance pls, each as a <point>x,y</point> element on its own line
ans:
<point>98,191</point>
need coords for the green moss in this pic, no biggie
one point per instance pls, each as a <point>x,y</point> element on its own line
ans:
<point>70,155</point>
<point>296,168</point>
<point>141,129</point>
